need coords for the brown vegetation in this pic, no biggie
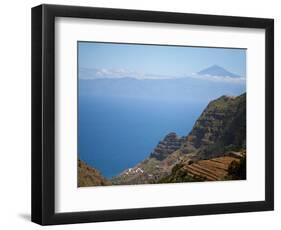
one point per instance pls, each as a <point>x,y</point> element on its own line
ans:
<point>88,176</point>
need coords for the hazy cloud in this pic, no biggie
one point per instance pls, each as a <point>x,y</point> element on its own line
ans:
<point>87,73</point>
<point>103,73</point>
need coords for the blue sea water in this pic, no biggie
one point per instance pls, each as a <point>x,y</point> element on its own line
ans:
<point>117,133</point>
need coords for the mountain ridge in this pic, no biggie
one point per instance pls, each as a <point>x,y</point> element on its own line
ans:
<point>188,88</point>
<point>211,137</point>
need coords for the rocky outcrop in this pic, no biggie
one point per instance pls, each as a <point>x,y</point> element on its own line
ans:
<point>88,176</point>
<point>168,145</point>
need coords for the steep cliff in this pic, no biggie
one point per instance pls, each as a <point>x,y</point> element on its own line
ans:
<point>220,128</point>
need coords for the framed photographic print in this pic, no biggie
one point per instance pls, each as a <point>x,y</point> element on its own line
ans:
<point>142,114</point>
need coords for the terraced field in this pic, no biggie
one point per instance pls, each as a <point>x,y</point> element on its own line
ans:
<point>211,170</point>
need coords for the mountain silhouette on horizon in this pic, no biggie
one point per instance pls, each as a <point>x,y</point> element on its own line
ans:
<point>216,70</point>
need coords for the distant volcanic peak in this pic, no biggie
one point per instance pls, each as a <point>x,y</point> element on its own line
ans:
<point>218,71</point>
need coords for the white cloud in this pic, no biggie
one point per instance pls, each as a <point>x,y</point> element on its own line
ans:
<point>103,73</point>
<point>218,78</point>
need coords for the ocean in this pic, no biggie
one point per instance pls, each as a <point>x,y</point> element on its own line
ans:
<point>116,133</point>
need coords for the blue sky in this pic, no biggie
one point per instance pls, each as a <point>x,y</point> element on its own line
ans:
<point>127,60</point>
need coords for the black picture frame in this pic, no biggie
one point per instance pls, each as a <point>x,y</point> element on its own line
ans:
<point>43,114</point>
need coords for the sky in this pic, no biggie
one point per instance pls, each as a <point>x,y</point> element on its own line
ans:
<point>98,60</point>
